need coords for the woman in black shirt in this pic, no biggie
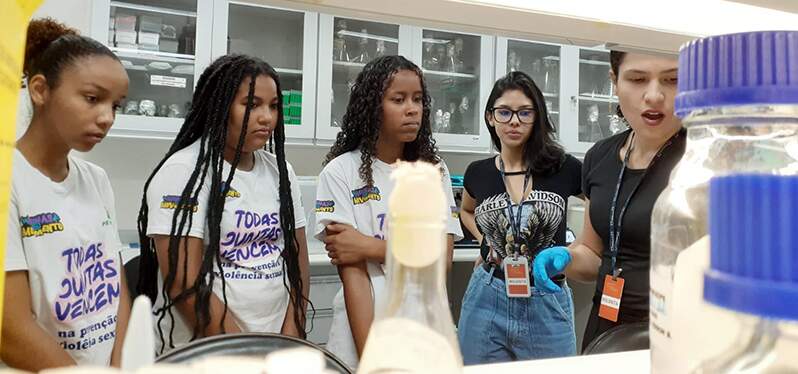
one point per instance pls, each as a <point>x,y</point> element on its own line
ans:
<point>533,172</point>
<point>622,177</point>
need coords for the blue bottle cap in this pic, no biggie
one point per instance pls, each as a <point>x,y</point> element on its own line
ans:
<point>753,225</point>
<point>738,69</point>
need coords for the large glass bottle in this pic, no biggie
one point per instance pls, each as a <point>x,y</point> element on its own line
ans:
<point>413,331</point>
<point>753,274</point>
<point>740,108</point>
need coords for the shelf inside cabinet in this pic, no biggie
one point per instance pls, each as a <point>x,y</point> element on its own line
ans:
<point>549,94</point>
<point>356,34</point>
<point>153,55</point>
<point>348,64</point>
<point>448,74</point>
<point>594,62</point>
<point>152,9</point>
<point>599,98</point>
<point>288,71</point>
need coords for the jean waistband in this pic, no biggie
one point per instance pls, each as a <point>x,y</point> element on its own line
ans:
<point>498,273</point>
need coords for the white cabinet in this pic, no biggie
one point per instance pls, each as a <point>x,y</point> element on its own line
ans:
<point>345,46</point>
<point>284,38</point>
<point>318,57</point>
<point>164,46</point>
<point>458,70</point>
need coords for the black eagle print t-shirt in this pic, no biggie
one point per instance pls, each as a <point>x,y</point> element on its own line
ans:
<point>543,210</point>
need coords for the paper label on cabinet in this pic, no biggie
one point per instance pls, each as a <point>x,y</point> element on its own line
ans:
<point>167,81</point>
<point>401,345</point>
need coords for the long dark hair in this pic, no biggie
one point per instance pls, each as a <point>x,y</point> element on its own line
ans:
<point>542,154</point>
<point>363,117</point>
<point>206,122</point>
<point>616,59</point>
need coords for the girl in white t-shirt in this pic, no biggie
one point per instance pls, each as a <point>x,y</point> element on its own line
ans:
<point>222,219</point>
<point>66,299</point>
<point>387,119</point>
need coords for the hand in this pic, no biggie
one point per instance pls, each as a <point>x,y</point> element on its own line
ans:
<point>345,245</point>
<point>548,263</point>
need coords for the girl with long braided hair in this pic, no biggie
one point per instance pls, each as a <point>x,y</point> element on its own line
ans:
<point>221,226</point>
<point>387,119</point>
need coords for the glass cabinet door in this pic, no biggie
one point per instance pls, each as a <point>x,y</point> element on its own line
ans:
<point>458,70</point>
<point>597,119</point>
<point>542,63</point>
<point>451,65</point>
<point>284,39</point>
<point>163,45</point>
<point>158,44</point>
<point>346,46</point>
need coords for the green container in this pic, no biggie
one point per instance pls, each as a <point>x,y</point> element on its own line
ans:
<point>296,97</point>
<point>286,111</point>
<point>295,110</point>
<point>286,97</point>
<point>292,121</point>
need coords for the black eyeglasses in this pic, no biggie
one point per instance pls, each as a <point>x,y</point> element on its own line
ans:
<point>505,115</point>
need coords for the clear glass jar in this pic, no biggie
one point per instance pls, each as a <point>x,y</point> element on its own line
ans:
<point>721,140</point>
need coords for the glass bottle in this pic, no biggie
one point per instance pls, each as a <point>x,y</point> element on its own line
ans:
<point>753,274</point>
<point>735,123</point>
<point>413,331</point>
<point>340,50</point>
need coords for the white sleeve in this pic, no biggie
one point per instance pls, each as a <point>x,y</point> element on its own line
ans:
<point>163,196</point>
<point>453,223</point>
<point>296,195</point>
<point>15,253</point>
<point>107,196</point>
<point>333,203</point>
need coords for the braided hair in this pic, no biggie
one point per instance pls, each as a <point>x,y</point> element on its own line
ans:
<point>363,118</point>
<point>206,122</point>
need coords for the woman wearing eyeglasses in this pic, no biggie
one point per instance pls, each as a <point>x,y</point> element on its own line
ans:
<point>515,204</point>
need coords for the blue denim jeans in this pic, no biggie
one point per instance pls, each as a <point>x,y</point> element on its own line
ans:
<point>495,328</point>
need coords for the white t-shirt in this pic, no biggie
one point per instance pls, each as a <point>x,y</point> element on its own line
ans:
<point>65,236</point>
<point>251,238</point>
<point>343,197</point>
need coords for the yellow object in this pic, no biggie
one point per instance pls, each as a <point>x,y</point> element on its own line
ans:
<point>14,17</point>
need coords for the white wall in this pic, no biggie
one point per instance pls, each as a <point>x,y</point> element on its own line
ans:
<point>74,13</point>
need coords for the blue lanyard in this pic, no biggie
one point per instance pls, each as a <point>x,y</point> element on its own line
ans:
<point>515,222</point>
<point>616,227</point>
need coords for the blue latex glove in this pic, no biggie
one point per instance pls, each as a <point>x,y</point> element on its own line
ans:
<point>548,263</point>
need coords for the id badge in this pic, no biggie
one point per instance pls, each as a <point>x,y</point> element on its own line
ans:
<point>611,298</point>
<point>516,277</point>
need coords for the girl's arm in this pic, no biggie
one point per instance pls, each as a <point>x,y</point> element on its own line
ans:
<point>25,345</point>
<point>585,252</point>
<point>358,300</point>
<point>289,325</point>
<point>190,257</point>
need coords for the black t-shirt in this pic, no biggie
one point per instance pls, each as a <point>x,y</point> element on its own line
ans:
<point>600,179</point>
<point>543,216</point>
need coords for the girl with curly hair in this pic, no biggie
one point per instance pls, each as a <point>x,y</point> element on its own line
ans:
<point>387,119</point>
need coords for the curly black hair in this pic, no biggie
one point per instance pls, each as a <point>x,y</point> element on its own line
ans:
<point>542,154</point>
<point>363,117</point>
<point>206,122</point>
